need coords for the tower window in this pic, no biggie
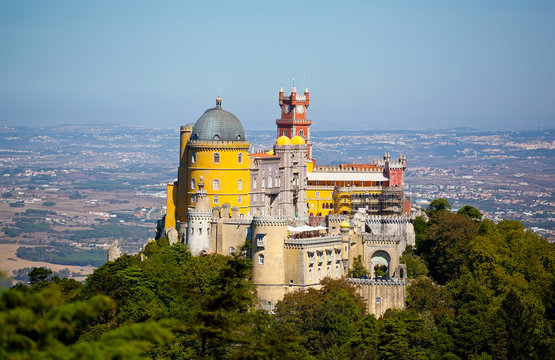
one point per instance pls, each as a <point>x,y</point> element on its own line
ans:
<point>216,158</point>
<point>283,133</point>
<point>193,183</point>
<point>301,132</point>
<point>231,250</point>
<point>240,199</point>
<point>240,184</point>
<point>216,200</point>
<point>260,259</point>
<point>215,184</point>
<point>194,157</point>
<point>240,158</point>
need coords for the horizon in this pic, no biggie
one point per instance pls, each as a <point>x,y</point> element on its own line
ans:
<point>368,65</point>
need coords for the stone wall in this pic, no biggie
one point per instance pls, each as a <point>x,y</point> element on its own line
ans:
<point>380,296</point>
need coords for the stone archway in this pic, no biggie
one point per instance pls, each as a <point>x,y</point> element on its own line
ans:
<point>380,257</point>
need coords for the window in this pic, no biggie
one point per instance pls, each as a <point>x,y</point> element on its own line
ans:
<point>378,300</point>
<point>200,231</point>
<point>310,274</point>
<point>260,259</point>
<point>216,158</point>
<point>192,231</point>
<point>231,250</point>
<point>269,181</point>
<point>337,271</point>
<point>216,200</point>
<point>317,194</point>
<point>192,198</point>
<point>240,199</point>
<point>319,274</point>
<point>320,257</point>
<point>193,184</point>
<point>254,184</point>
<point>239,184</point>
<point>260,240</point>
<point>328,271</point>
<point>301,132</point>
<point>283,133</point>
<point>240,158</point>
<point>215,184</point>
<point>311,258</point>
<point>194,157</point>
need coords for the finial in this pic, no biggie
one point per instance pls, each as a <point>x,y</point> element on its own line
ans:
<point>218,102</point>
<point>306,90</point>
<point>294,88</point>
<point>281,89</point>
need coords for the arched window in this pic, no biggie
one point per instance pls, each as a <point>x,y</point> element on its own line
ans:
<point>239,184</point>
<point>193,183</point>
<point>337,271</point>
<point>216,158</point>
<point>269,181</point>
<point>319,274</point>
<point>328,271</point>
<point>215,184</point>
<point>216,200</point>
<point>310,274</point>
<point>301,132</point>
<point>194,157</point>
<point>240,200</point>
<point>231,250</point>
<point>260,259</point>
<point>240,158</point>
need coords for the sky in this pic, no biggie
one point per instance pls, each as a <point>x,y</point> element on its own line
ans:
<point>387,65</point>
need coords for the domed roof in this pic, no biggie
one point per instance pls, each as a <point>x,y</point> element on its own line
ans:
<point>283,140</point>
<point>298,140</point>
<point>218,124</point>
<point>344,224</point>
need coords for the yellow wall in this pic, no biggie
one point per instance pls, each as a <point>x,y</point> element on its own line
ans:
<point>228,171</point>
<point>170,207</point>
<point>316,203</point>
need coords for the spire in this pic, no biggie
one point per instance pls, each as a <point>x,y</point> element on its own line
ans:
<point>294,88</point>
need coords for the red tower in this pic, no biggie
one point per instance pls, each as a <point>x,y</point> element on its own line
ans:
<point>293,121</point>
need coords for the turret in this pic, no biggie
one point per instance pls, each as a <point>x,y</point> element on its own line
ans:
<point>198,231</point>
<point>268,235</point>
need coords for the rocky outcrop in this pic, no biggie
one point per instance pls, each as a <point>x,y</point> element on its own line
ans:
<point>114,251</point>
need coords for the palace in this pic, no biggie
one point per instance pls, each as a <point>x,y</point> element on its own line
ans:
<point>301,221</point>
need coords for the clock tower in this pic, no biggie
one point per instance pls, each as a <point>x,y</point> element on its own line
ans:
<point>293,121</point>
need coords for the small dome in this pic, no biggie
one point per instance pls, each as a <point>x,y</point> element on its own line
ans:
<point>271,152</point>
<point>283,140</point>
<point>344,224</point>
<point>298,140</point>
<point>218,124</point>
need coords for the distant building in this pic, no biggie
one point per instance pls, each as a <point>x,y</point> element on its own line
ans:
<point>302,222</point>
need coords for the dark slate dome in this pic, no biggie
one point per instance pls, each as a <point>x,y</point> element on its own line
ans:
<point>218,124</point>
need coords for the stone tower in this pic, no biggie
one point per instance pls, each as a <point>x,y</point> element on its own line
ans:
<point>198,229</point>
<point>293,121</point>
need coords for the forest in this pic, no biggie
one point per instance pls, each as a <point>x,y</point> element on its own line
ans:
<point>478,290</point>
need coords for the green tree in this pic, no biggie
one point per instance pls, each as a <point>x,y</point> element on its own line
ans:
<point>39,274</point>
<point>471,212</point>
<point>416,267</point>
<point>436,205</point>
<point>358,270</point>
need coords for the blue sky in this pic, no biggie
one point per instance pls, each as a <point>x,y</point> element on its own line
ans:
<point>368,64</point>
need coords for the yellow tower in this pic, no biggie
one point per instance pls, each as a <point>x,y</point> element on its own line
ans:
<point>217,150</point>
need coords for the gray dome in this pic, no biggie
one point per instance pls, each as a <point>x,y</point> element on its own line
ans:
<point>218,124</point>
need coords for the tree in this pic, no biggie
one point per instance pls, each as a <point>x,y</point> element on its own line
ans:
<point>438,205</point>
<point>39,274</point>
<point>446,244</point>
<point>358,269</point>
<point>471,212</point>
<point>416,267</point>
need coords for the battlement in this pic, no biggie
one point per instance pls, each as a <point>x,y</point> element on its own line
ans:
<point>265,220</point>
<point>371,282</point>
<point>376,239</point>
<point>318,240</point>
<point>218,144</point>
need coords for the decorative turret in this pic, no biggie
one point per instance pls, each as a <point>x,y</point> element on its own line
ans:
<point>293,121</point>
<point>198,232</point>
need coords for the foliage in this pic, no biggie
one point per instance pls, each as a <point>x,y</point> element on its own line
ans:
<point>489,295</point>
<point>438,205</point>
<point>416,267</point>
<point>471,212</point>
<point>358,269</point>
